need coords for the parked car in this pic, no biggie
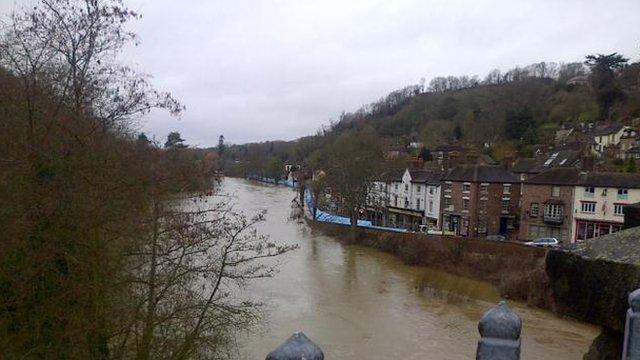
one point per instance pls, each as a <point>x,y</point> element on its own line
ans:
<point>544,242</point>
<point>496,238</point>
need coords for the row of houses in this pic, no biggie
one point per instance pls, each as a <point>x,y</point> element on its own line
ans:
<point>612,140</point>
<point>481,200</point>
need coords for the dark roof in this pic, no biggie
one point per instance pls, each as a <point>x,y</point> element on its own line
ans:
<point>448,148</point>
<point>487,159</point>
<point>391,175</point>
<point>571,176</point>
<point>606,129</point>
<point>557,176</point>
<point>622,247</point>
<point>395,175</point>
<point>432,177</point>
<point>560,158</point>
<point>525,165</point>
<point>611,179</point>
<point>481,173</point>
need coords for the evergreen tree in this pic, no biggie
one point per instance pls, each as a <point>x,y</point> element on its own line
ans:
<point>603,69</point>
<point>174,141</point>
<point>518,123</point>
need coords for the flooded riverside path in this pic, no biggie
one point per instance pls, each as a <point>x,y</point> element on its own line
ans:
<point>360,303</point>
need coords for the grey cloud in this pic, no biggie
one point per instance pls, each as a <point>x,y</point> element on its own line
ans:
<point>279,69</point>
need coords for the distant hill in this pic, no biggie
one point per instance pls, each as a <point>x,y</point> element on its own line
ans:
<point>522,106</point>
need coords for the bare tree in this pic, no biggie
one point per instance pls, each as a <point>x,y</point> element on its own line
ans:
<point>186,280</point>
<point>353,163</point>
<point>76,44</point>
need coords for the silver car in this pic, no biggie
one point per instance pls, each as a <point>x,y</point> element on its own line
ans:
<point>496,237</point>
<point>544,242</point>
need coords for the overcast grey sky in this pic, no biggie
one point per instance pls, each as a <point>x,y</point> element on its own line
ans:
<point>266,70</point>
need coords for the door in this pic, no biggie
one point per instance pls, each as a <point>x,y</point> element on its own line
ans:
<point>455,225</point>
<point>503,225</point>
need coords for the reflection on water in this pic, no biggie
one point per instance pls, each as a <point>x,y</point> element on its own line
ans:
<point>358,303</point>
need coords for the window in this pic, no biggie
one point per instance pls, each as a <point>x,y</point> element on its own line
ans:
<point>395,186</point>
<point>484,188</point>
<point>482,226</point>
<point>555,191</point>
<point>406,203</point>
<point>623,194</point>
<point>465,204</point>
<point>406,187</point>
<point>506,189</point>
<point>588,207</point>
<point>505,205</point>
<point>448,204</point>
<point>466,187</point>
<point>431,190</point>
<point>447,186</point>
<point>535,210</point>
<point>419,188</point>
<point>395,200</point>
<point>430,205</point>
<point>483,205</point>
<point>618,209</point>
<point>550,159</point>
<point>589,191</point>
<point>553,211</point>
<point>418,204</point>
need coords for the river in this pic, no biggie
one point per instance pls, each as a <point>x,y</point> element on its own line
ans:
<point>359,303</point>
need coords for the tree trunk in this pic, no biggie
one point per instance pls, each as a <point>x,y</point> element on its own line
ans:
<point>302,193</point>
<point>144,350</point>
<point>354,224</point>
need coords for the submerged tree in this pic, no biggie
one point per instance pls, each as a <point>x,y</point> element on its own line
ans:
<point>353,162</point>
<point>187,277</point>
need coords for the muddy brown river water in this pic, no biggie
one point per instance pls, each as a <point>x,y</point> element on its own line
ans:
<point>359,303</point>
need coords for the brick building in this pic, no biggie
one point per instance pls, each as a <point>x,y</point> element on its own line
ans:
<point>547,205</point>
<point>479,200</point>
<point>574,206</point>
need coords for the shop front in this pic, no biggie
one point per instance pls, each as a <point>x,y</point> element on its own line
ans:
<point>455,225</point>
<point>586,229</point>
<point>405,219</point>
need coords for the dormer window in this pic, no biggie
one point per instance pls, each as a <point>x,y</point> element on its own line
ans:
<point>589,191</point>
<point>623,194</point>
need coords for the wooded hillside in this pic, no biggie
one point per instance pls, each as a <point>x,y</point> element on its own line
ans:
<point>521,107</point>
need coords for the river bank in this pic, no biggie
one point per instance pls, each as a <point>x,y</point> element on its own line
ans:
<point>518,272</point>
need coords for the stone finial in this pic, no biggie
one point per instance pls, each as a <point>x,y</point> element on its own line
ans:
<point>634,300</point>
<point>631,345</point>
<point>500,322</point>
<point>499,334</point>
<point>297,347</point>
